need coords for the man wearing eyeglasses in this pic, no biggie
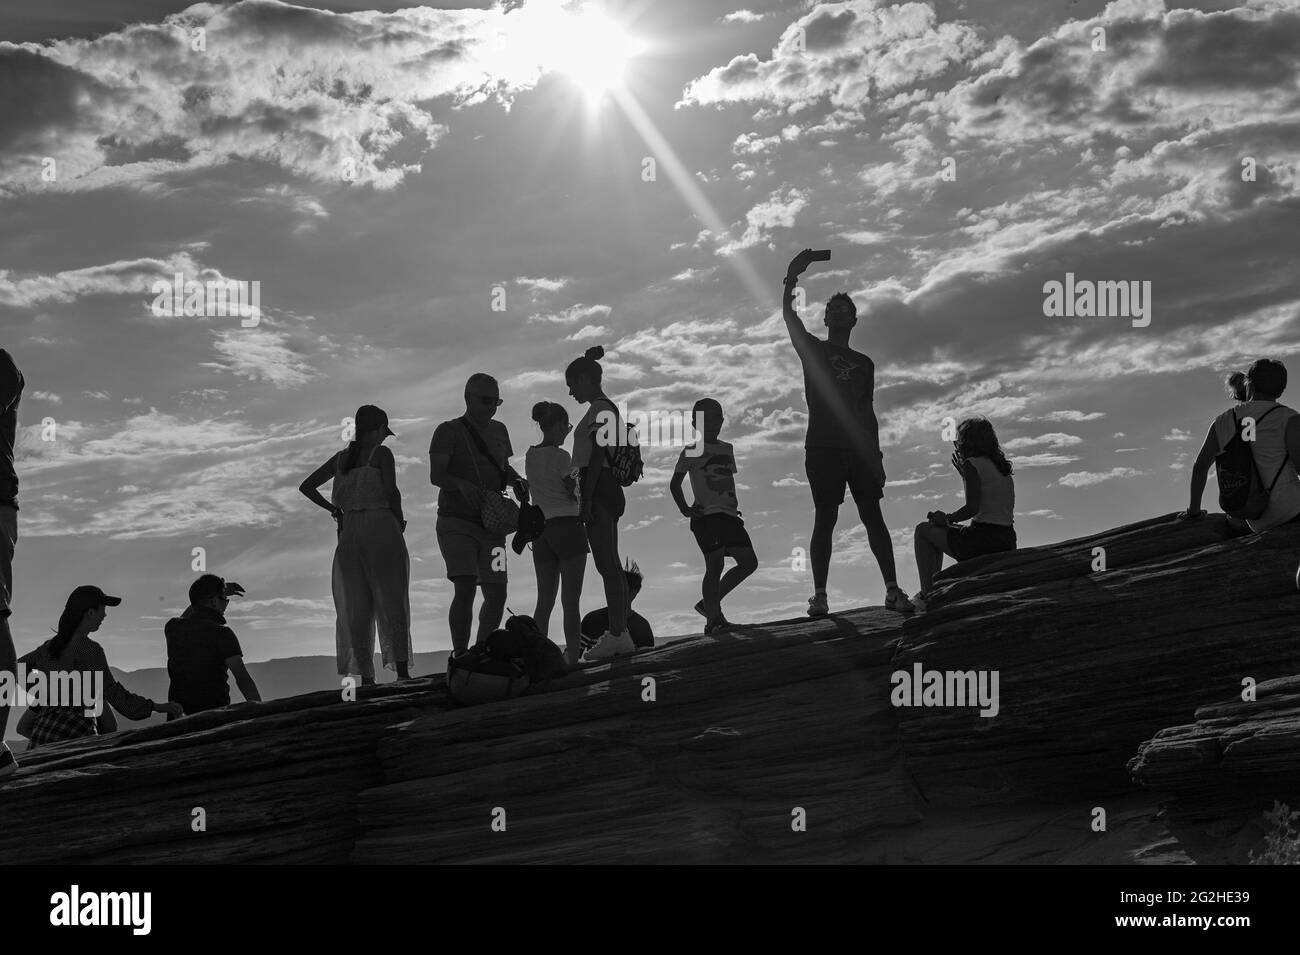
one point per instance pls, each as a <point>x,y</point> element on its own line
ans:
<point>475,557</point>
<point>201,649</point>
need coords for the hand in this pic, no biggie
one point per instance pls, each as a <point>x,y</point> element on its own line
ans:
<point>959,463</point>
<point>798,264</point>
<point>877,467</point>
<point>521,491</point>
<point>171,709</point>
<point>472,494</point>
<point>336,513</point>
<point>1191,515</point>
<point>937,518</point>
<point>690,512</point>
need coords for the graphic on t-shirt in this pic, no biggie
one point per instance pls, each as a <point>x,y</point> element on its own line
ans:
<point>713,479</point>
<point>843,367</point>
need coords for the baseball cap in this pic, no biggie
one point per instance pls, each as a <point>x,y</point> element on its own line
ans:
<point>88,597</point>
<point>370,417</point>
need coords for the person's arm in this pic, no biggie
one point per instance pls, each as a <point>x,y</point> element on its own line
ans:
<point>517,483</point>
<point>799,335</point>
<point>243,679</point>
<point>388,479</point>
<point>675,488</point>
<point>440,452</point>
<point>10,381</point>
<point>1201,470</point>
<point>311,487</point>
<point>971,477</point>
<point>131,705</point>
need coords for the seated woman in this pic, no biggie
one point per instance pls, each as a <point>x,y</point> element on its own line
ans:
<point>1275,448</point>
<point>990,503</point>
<point>71,650</point>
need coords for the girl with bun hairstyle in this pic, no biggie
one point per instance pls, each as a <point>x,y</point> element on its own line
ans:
<point>1275,449</point>
<point>560,553</point>
<point>601,501</point>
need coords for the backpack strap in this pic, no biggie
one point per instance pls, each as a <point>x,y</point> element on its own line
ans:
<point>1285,457</point>
<point>472,432</point>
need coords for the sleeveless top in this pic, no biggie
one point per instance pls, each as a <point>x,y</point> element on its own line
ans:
<point>361,489</point>
<point>997,494</point>
<point>1271,458</point>
<point>546,468</point>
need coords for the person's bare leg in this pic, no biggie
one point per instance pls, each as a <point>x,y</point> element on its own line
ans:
<point>819,551</point>
<point>713,562</point>
<point>493,609</point>
<point>548,585</point>
<point>746,564</point>
<point>878,538</point>
<point>8,664</point>
<point>929,559</point>
<point>572,572</point>
<point>603,537</point>
<point>460,615</point>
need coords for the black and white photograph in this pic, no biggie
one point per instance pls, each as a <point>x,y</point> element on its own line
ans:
<point>651,433</point>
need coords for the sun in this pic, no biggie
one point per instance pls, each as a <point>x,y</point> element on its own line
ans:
<point>590,48</point>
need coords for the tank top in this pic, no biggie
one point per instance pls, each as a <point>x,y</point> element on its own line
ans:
<point>546,468</point>
<point>997,494</point>
<point>361,489</point>
<point>1269,451</point>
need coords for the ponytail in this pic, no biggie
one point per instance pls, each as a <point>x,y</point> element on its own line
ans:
<point>69,620</point>
<point>347,458</point>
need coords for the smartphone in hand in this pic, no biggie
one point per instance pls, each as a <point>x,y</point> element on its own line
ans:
<point>820,255</point>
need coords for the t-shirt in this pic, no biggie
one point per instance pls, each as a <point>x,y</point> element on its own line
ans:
<point>1269,448</point>
<point>546,467</point>
<point>838,383</point>
<point>997,494</point>
<point>713,477</point>
<point>597,622</point>
<point>451,438</point>
<point>198,645</point>
<point>11,392</point>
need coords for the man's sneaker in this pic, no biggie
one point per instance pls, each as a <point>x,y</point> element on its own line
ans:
<point>609,646</point>
<point>897,600</point>
<point>817,606</point>
<point>8,765</point>
<point>719,625</point>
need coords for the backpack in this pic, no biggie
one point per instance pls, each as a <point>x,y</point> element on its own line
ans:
<point>523,640</point>
<point>625,457</point>
<point>1241,490</point>
<point>479,676</point>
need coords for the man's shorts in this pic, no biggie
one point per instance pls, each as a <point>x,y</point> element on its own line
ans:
<point>830,470</point>
<point>469,550</point>
<point>562,538</point>
<point>713,531</point>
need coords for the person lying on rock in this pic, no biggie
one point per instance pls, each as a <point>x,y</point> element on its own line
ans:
<point>1273,438</point>
<point>990,504</point>
<point>201,649</point>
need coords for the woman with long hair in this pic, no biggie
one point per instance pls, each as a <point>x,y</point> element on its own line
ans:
<point>990,504</point>
<point>72,651</point>
<point>560,552</point>
<point>601,500</point>
<point>372,568</point>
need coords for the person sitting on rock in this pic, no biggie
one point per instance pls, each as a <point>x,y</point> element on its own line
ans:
<point>596,623</point>
<point>1275,448</point>
<point>201,649</point>
<point>990,504</point>
<point>69,651</point>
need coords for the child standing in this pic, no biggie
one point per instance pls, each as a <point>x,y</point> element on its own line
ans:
<point>714,516</point>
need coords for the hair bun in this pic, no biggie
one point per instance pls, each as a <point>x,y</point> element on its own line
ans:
<point>595,353</point>
<point>1236,386</point>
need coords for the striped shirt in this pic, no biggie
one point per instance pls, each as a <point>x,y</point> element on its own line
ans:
<point>87,656</point>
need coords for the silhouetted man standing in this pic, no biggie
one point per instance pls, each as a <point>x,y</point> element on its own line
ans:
<point>842,447</point>
<point>11,391</point>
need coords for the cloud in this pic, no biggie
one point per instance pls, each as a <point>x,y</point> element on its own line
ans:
<point>1178,434</point>
<point>1070,416</point>
<point>1053,440</point>
<point>1086,478</point>
<point>540,285</point>
<point>744,16</point>
<point>1042,460</point>
<point>574,313</point>
<point>845,53</point>
<point>47,396</point>
<point>779,210</point>
<point>790,480</point>
<point>129,277</point>
<point>261,354</point>
<point>587,332</point>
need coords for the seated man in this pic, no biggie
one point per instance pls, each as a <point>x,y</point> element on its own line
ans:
<point>597,622</point>
<point>201,649</point>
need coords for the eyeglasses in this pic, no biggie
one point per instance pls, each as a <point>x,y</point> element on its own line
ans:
<point>492,400</point>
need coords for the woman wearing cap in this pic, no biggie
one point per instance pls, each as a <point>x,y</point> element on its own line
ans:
<point>372,569</point>
<point>71,650</point>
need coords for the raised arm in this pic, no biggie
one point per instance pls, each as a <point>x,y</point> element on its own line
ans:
<point>793,323</point>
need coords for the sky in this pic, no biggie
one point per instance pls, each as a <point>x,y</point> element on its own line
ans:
<point>387,172</point>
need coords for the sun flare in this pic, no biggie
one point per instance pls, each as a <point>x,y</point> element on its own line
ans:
<point>590,48</point>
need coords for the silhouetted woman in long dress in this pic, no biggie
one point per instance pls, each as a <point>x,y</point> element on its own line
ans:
<point>372,568</point>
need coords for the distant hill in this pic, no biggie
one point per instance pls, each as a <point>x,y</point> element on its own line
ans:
<point>275,680</point>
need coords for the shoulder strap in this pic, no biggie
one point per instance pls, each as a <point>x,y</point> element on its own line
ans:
<point>1286,457</point>
<point>482,446</point>
<point>370,457</point>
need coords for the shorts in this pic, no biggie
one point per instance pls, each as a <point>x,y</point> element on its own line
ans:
<point>829,470</point>
<point>562,538</point>
<point>979,539</point>
<point>714,531</point>
<point>469,550</point>
<point>608,493</point>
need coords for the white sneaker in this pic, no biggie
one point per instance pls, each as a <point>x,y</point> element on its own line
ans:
<point>610,646</point>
